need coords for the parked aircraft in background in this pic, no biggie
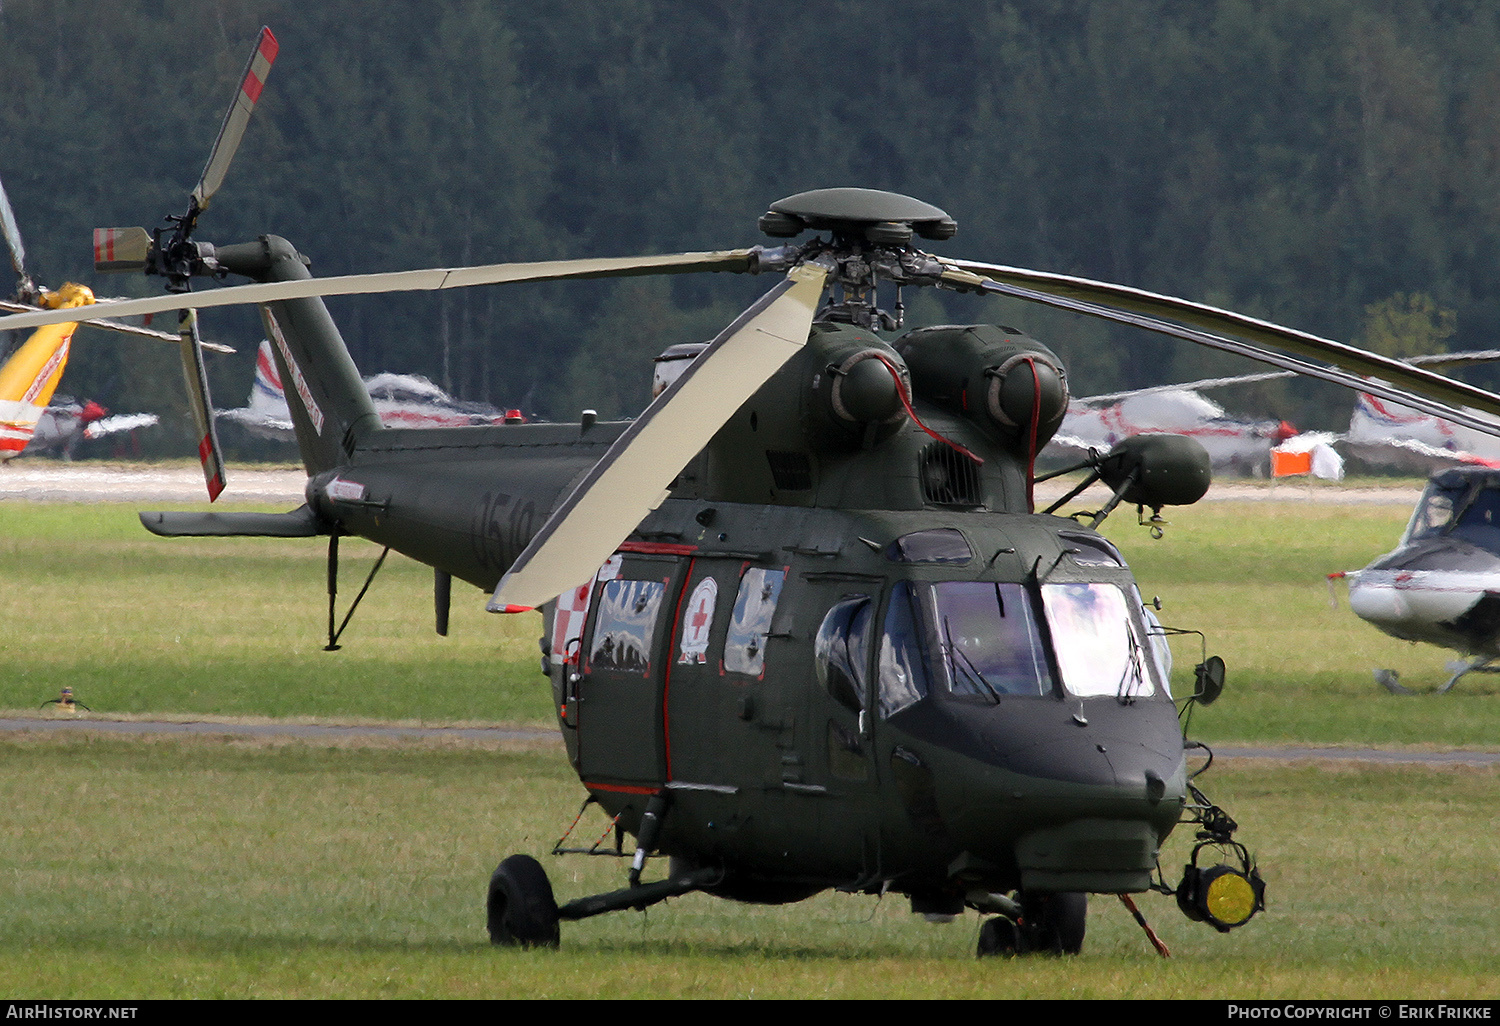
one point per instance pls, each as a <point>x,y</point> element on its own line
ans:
<point>1381,433</point>
<point>67,422</point>
<point>1441,584</point>
<point>402,400</point>
<point>1390,435</point>
<point>1235,445</point>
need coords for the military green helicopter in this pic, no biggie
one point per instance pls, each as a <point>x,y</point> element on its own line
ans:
<point>805,628</point>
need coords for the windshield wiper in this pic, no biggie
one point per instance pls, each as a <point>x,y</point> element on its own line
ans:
<point>970,670</point>
<point>1133,665</point>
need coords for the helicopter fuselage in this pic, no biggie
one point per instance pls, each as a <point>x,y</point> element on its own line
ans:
<point>929,696</point>
<point>1442,584</point>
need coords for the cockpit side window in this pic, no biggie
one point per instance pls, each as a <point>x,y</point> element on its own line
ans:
<point>843,650</point>
<point>1479,519</point>
<point>903,668</point>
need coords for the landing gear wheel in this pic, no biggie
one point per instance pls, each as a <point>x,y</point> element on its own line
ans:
<point>1000,936</point>
<point>1055,922</point>
<point>520,910</point>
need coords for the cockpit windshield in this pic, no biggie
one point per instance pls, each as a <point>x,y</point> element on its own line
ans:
<point>1099,651</point>
<point>969,639</point>
<point>1459,507</point>
<point>982,640</point>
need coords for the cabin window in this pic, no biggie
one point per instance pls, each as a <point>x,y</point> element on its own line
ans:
<point>1088,550</point>
<point>843,649</point>
<point>903,667</point>
<point>626,625</point>
<point>745,644</point>
<point>1099,650</point>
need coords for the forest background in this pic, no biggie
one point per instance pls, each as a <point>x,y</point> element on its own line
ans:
<point>1328,164</point>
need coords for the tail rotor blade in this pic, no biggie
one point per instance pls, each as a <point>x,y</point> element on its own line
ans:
<point>633,477</point>
<point>196,375</point>
<point>121,249</point>
<point>233,128</point>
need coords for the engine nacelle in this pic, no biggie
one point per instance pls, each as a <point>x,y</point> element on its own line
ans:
<point>851,387</point>
<point>998,378</point>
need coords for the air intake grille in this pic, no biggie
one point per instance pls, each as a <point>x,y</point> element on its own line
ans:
<point>792,471</point>
<point>949,478</point>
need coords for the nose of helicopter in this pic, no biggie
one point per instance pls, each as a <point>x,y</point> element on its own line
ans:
<point>1076,796</point>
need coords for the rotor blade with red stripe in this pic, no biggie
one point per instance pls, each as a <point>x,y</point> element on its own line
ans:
<point>233,128</point>
<point>196,375</point>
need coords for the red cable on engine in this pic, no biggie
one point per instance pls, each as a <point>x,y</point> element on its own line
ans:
<point>906,402</point>
<point>1036,412</point>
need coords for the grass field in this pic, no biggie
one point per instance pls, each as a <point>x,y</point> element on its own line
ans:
<point>211,867</point>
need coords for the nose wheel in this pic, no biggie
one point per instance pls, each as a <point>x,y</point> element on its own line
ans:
<point>1051,924</point>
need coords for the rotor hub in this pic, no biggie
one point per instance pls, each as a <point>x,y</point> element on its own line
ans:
<point>871,241</point>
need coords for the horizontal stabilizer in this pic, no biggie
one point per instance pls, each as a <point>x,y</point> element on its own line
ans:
<point>301,522</point>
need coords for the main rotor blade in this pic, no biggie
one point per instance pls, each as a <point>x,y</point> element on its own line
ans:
<point>233,128</point>
<point>12,235</point>
<point>1351,367</point>
<point>634,475</point>
<point>428,280</point>
<point>1203,384</point>
<point>126,329</point>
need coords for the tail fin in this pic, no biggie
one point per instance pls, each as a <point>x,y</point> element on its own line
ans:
<point>31,375</point>
<point>327,400</point>
<point>266,393</point>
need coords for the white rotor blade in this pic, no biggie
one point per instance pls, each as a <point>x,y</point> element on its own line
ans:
<point>1440,360</point>
<point>118,423</point>
<point>1200,385</point>
<point>427,280</point>
<point>126,329</point>
<point>633,477</point>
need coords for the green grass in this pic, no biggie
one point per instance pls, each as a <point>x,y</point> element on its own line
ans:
<point>139,625</point>
<point>216,868</point>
